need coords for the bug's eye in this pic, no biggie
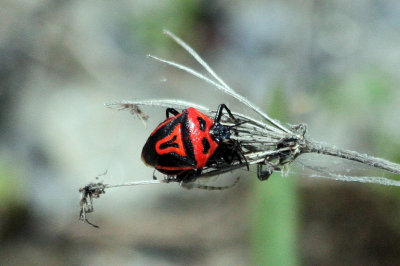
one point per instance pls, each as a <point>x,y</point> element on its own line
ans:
<point>202,123</point>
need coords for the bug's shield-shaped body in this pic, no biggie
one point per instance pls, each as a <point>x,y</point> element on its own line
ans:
<point>180,143</point>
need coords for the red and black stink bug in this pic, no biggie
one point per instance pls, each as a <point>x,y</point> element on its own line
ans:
<point>184,144</point>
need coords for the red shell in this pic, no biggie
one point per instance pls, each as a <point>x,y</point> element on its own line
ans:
<point>180,143</point>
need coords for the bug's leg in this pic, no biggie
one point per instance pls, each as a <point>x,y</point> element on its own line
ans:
<point>245,160</point>
<point>239,153</point>
<point>192,175</point>
<point>171,111</point>
<point>264,174</point>
<point>188,176</point>
<point>270,168</point>
<point>169,179</point>
<point>198,172</point>
<point>154,175</point>
<point>218,115</point>
<point>236,153</point>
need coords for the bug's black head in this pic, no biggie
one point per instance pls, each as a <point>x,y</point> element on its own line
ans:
<point>220,132</point>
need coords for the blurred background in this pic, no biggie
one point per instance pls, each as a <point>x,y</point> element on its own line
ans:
<point>334,65</point>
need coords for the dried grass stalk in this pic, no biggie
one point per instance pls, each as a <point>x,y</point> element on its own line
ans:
<point>264,141</point>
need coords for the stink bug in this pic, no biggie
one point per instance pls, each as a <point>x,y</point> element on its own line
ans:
<point>189,141</point>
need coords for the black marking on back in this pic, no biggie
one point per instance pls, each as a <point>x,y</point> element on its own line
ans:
<point>202,123</point>
<point>172,159</point>
<point>169,143</point>
<point>206,145</point>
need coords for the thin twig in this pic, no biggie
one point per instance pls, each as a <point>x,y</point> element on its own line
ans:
<point>224,89</point>
<point>312,146</point>
<point>132,106</point>
<point>136,183</point>
<point>362,179</point>
<point>94,190</point>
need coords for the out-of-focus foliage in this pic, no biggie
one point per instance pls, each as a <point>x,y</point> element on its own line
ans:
<point>275,211</point>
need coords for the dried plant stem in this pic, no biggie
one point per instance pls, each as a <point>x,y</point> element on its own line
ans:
<point>136,183</point>
<point>265,138</point>
<point>179,104</point>
<point>264,142</point>
<point>220,85</point>
<point>312,146</point>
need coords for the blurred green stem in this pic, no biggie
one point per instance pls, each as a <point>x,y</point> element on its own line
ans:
<point>275,212</point>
